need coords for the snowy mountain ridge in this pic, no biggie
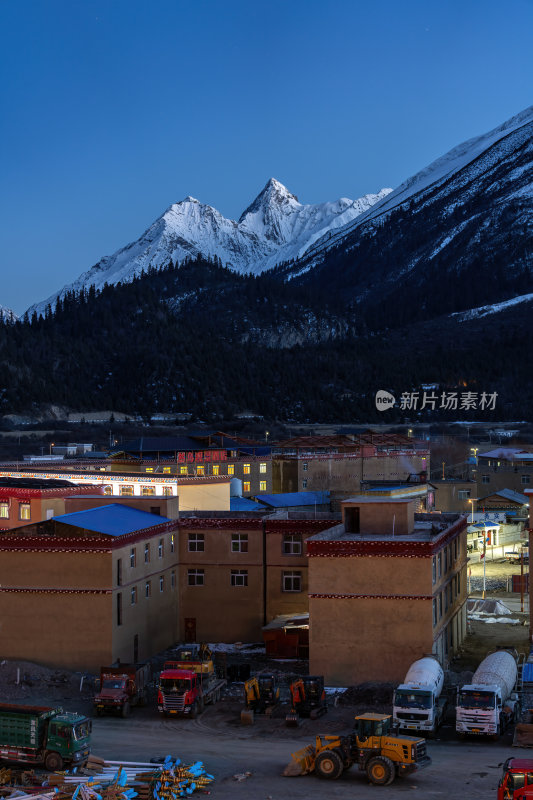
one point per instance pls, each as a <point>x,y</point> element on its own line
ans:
<point>275,228</point>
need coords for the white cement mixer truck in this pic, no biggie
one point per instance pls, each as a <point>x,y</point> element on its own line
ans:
<point>418,705</point>
<point>489,704</point>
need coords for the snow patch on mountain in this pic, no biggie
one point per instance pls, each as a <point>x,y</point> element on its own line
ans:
<point>7,315</point>
<point>494,308</point>
<point>274,228</point>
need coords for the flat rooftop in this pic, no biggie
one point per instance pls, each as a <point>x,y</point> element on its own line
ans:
<point>427,528</point>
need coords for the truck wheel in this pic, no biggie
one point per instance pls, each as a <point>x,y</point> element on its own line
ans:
<point>329,764</point>
<point>125,712</point>
<point>53,762</point>
<point>380,770</point>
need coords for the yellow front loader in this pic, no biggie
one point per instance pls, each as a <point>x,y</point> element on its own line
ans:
<point>370,745</point>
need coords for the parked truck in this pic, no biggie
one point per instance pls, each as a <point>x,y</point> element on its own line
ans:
<point>42,735</point>
<point>188,683</point>
<point>121,687</point>
<point>418,704</point>
<point>489,704</point>
<point>516,782</point>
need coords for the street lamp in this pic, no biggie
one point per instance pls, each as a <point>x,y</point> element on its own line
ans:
<point>51,445</point>
<point>472,500</point>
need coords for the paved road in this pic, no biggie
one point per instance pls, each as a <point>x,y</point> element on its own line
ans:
<point>468,769</point>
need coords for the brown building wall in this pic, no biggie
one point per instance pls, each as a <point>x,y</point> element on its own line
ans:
<point>449,496</point>
<point>395,518</point>
<point>345,474</point>
<point>492,478</point>
<point>279,564</point>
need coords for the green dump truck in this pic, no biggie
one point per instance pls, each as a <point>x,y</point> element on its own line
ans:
<point>42,735</point>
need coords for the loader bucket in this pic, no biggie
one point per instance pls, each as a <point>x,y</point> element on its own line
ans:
<point>292,719</point>
<point>303,762</point>
<point>523,735</point>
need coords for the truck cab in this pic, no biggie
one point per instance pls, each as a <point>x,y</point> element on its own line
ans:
<point>414,709</point>
<point>179,692</point>
<point>478,709</point>
<point>517,779</point>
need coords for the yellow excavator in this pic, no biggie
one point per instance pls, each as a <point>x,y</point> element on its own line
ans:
<point>371,745</point>
<point>261,696</point>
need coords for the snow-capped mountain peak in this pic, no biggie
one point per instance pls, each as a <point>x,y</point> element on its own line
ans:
<point>273,229</point>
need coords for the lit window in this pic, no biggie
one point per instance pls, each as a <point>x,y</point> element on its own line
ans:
<point>161,583</point>
<point>262,467</point>
<point>200,469</point>
<point>24,511</point>
<point>4,510</point>
<point>239,542</point>
<point>246,469</point>
<point>134,595</point>
<point>195,577</point>
<point>183,471</point>
<point>148,589</point>
<point>172,542</point>
<point>291,581</point>
<point>147,553</point>
<point>262,486</point>
<point>216,469</point>
<point>246,486</point>
<point>292,544</point>
<point>108,489</point>
<point>166,470</point>
<point>126,490</point>
<point>196,543</point>
<point>148,491</point>
<point>167,491</point>
<point>149,469</point>
<point>231,469</point>
<point>239,577</point>
<point>161,548</point>
<point>133,557</point>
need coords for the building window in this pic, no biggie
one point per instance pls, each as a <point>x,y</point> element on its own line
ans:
<point>172,543</point>
<point>172,580</point>
<point>134,595</point>
<point>183,471</point>
<point>166,470</point>
<point>446,599</point>
<point>200,469</point>
<point>147,553</point>
<point>304,466</point>
<point>292,544</point>
<point>458,583</point>
<point>155,510</point>
<point>148,589</point>
<point>246,469</point>
<point>445,560</point>
<point>291,581</point>
<point>440,605</point>
<point>434,611</point>
<point>216,469</point>
<point>304,483</point>
<point>434,570</point>
<point>525,478</point>
<point>231,469</point>
<point>262,467</point>
<point>455,549</point>
<point>262,486</point>
<point>24,511</point>
<point>119,609</point>
<point>149,469</point>
<point>167,491</point>
<point>126,490</point>
<point>108,489</point>
<point>161,548</point>
<point>239,577</point>
<point>147,491</point>
<point>246,486</point>
<point>161,583</point>
<point>4,510</point>
<point>133,557</point>
<point>485,479</point>
<point>463,494</point>
<point>195,577</point>
<point>196,543</point>
<point>119,572</point>
<point>439,565</point>
<point>239,542</point>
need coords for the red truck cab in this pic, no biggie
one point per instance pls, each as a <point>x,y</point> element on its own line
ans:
<point>179,692</point>
<point>517,779</point>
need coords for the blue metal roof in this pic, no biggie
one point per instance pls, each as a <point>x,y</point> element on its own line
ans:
<point>113,520</point>
<point>294,499</point>
<point>243,504</point>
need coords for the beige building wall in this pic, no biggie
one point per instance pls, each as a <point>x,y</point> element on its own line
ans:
<point>280,565</point>
<point>204,497</point>
<point>453,495</point>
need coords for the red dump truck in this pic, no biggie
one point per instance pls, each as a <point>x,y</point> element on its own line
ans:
<point>516,782</point>
<point>121,687</point>
<point>188,683</point>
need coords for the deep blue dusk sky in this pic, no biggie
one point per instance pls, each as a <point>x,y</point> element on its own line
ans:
<point>114,109</point>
